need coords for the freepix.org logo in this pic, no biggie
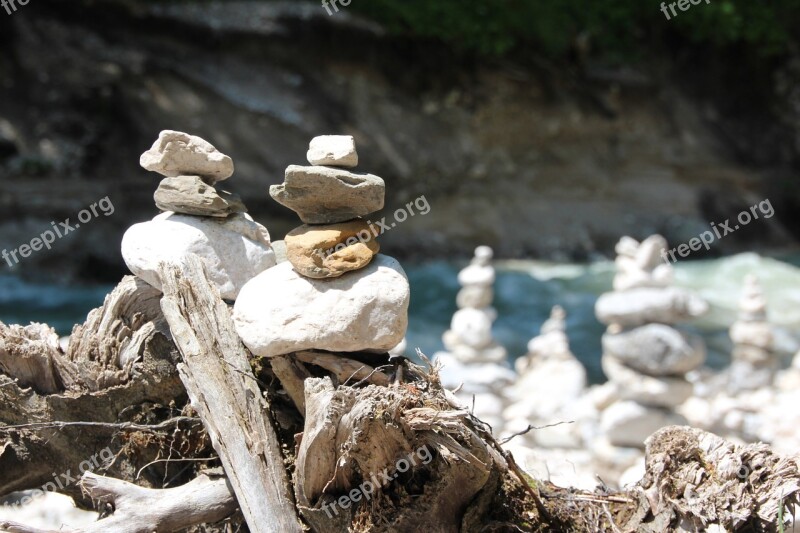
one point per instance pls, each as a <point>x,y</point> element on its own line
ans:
<point>11,5</point>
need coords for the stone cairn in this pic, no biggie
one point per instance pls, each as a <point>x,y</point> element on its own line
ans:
<point>197,218</point>
<point>550,385</point>
<point>334,293</point>
<point>473,359</point>
<point>469,338</point>
<point>754,363</point>
<point>644,357</point>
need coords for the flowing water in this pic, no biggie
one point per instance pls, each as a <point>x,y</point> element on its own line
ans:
<point>524,293</point>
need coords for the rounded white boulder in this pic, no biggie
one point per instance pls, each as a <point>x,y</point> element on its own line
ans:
<point>234,249</point>
<point>281,312</point>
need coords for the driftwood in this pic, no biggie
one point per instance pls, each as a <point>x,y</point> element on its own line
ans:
<point>217,374</point>
<point>45,432</point>
<point>140,510</point>
<point>346,370</point>
<point>696,478</point>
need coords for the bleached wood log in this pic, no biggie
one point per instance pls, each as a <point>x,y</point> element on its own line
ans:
<point>292,375</point>
<point>346,370</point>
<point>141,510</point>
<point>217,375</point>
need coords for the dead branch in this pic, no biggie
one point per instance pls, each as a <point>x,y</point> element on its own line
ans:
<point>42,433</point>
<point>343,368</point>
<point>217,374</point>
<point>141,510</point>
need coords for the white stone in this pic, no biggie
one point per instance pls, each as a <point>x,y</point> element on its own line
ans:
<point>758,334</point>
<point>480,271</point>
<point>472,327</point>
<point>644,389</point>
<point>400,349</point>
<point>548,386</point>
<point>493,353</point>
<point>474,377</point>
<point>333,150</point>
<point>234,249</point>
<point>628,423</point>
<point>477,275</point>
<point>639,306</point>
<point>280,311</point>
<point>179,154</point>
<point>641,265</point>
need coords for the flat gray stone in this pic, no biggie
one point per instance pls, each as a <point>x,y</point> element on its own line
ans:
<point>324,195</point>
<point>635,307</point>
<point>190,195</point>
<point>179,154</point>
<point>647,390</point>
<point>656,350</point>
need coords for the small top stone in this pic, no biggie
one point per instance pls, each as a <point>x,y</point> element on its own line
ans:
<point>179,154</point>
<point>752,304</point>
<point>640,264</point>
<point>333,150</point>
<point>480,270</point>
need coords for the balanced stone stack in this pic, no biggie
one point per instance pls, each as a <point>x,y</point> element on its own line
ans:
<point>644,357</point>
<point>550,386</point>
<point>754,363</point>
<point>472,359</point>
<point>335,292</point>
<point>197,218</point>
<point>469,338</point>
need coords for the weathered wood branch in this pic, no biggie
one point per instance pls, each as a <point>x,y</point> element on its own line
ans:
<point>346,370</point>
<point>217,374</point>
<point>124,346</point>
<point>292,375</point>
<point>141,510</point>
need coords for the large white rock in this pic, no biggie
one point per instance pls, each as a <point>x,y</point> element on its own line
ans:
<point>179,154</point>
<point>644,389</point>
<point>234,249</point>
<point>280,311</point>
<point>639,306</point>
<point>656,349</point>
<point>629,424</point>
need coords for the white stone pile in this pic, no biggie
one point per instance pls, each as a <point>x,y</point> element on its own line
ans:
<point>197,218</point>
<point>754,363</point>
<point>334,292</point>
<point>473,359</point>
<point>644,357</point>
<point>549,388</point>
<point>469,338</point>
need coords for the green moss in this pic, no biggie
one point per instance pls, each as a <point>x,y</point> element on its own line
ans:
<point>617,28</point>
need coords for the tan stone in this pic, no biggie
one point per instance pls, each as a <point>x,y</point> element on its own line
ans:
<point>313,252</point>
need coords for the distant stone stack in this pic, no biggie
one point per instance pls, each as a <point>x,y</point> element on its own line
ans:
<point>644,356</point>
<point>472,359</point>
<point>335,292</point>
<point>549,388</point>
<point>754,363</point>
<point>469,338</point>
<point>197,218</point>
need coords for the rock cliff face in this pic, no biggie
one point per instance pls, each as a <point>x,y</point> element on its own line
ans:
<point>533,161</point>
